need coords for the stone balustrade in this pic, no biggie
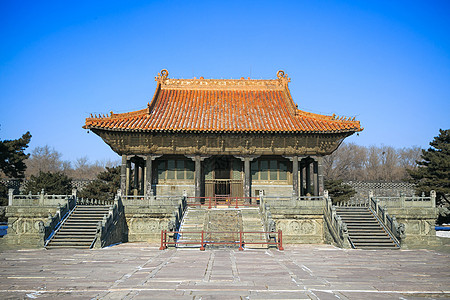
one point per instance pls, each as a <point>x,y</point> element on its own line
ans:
<point>159,201</point>
<point>407,201</point>
<point>336,227</point>
<point>111,229</point>
<point>47,229</point>
<point>41,199</point>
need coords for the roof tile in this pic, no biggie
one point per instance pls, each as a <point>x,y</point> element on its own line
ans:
<point>223,105</point>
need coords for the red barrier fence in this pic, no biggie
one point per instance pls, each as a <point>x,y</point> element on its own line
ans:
<point>223,201</point>
<point>205,238</point>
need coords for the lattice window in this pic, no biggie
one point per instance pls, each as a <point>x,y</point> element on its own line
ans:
<point>269,170</point>
<point>172,169</point>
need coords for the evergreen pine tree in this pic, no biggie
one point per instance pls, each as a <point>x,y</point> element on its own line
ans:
<point>104,187</point>
<point>52,183</point>
<point>12,156</point>
<point>339,192</point>
<point>433,172</point>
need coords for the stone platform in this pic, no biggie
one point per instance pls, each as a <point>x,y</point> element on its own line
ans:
<point>141,271</point>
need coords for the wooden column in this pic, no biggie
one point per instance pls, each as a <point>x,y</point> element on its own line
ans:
<point>128,175</point>
<point>198,176</point>
<point>147,166</point>
<point>320,175</point>
<point>198,173</point>
<point>247,178</point>
<point>308,177</point>
<point>136,176</point>
<point>123,175</point>
<point>141,177</point>
<point>315,179</point>
<point>247,174</point>
<point>148,191</point>
<point>295,175</point>
<point>302,188</point>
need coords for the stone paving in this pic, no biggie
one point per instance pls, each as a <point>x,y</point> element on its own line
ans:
<point>141,271</point>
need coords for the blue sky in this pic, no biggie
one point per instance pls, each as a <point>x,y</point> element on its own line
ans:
<point>385,62</point>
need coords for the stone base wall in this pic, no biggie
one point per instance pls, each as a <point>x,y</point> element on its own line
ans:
<point>23,226</point>
<point>174,189</point>
<point>419,226</point>
<point>144,223</point>
<point>300,225</point>
<point>272,190</point>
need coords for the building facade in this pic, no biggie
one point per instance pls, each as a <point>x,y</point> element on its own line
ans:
<point>221,137</point>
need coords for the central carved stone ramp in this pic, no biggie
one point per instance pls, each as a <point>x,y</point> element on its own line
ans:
<point>79,229</point>
<point>223,223</point>
<point>252,222</point>
<point>364,230</point>
<point>220,226</point>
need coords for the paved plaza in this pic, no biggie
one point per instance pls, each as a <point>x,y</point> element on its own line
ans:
<point>141,271</point>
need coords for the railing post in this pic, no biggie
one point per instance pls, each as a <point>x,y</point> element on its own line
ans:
<point>237,202</point>
<point>162,240</point>
<point>209,203</point>
<point>41,198</point>
<point>376,206</point>
<point>280,240</point>
<point>201,245</point>
<point>10,197</point>
<point>433,198</point>
<point>240,241</point>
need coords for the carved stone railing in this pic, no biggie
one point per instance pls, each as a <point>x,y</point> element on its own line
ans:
<point>150,200</point>
<point>294,201</point>
<point>87,201</point>
<point>337,227</point>
<point>41,199</point>
<point>395,230</point>
<point>110,229</point>
<point>401,201</point>
<point>53,223</point>
<point>311,201</point>
<point>407,201</point>
<point>353,203</point>
<point>177,217</point>
<point>269,224</point>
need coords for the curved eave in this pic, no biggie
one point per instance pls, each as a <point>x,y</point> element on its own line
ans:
<point>353,130</point>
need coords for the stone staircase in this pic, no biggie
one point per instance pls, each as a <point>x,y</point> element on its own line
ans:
<point>364,230</point>
<point>251,221</point>
<point>79,229</point>
<point>193,220</point>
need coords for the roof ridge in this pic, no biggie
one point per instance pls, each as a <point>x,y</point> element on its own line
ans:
<point>213,83</point>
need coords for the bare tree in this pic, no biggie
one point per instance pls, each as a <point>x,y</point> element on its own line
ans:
<point>354,162</point>
<point>44,159</point>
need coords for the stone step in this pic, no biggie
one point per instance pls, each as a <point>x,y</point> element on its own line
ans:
<point>193,220</point>
<point>72,243</point>
<point>79,226</point>
<point>78,240</point>
<point>67,246</point>
<point>251,220</point>
<point>371,239</point>
<point>364,230</point>
<point>360,245</point>
<point>371,234</point>
<point>79,230</point>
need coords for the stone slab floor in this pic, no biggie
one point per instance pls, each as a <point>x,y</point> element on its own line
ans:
<point>141,271</point>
